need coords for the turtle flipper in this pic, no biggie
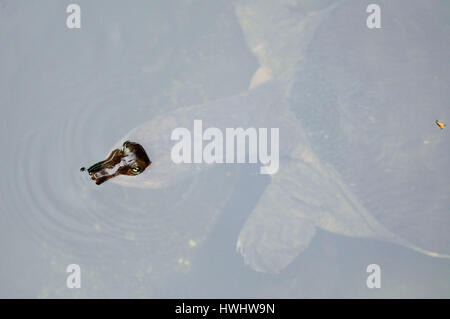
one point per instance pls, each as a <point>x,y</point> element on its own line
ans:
<point>269,244</point>
<point>282,224</point>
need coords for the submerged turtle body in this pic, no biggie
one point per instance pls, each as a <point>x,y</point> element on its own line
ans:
<point>359,151</point>
<point>373,165</point>
<point>375,125</point>
<point>264,107</point>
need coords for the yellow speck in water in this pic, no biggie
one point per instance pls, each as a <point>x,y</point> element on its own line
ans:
<point>129,236</point>
<point>97,227</point>
<point>192,243</point>
<point>184,262</point>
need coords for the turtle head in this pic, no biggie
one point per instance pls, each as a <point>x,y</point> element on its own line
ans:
<point>130,160</point>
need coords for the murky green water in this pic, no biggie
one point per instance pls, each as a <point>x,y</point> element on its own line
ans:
<point>68,95</point>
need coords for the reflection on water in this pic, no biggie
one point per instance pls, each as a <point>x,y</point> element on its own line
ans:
<point>66,97</point>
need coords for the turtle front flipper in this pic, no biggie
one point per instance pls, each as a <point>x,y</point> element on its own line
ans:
<point>268,244</point>
<point>282,224</point>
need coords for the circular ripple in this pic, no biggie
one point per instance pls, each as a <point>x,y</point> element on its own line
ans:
<point>63,209</point>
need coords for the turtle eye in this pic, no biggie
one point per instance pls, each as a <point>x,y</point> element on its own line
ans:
<point>136,170</point>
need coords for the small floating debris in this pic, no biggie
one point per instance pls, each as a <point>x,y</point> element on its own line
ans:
<point>192,243</point>
<point>440,124</point>
<point>183,261</point>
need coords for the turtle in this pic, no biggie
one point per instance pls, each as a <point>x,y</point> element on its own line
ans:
<point>355,108</point>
